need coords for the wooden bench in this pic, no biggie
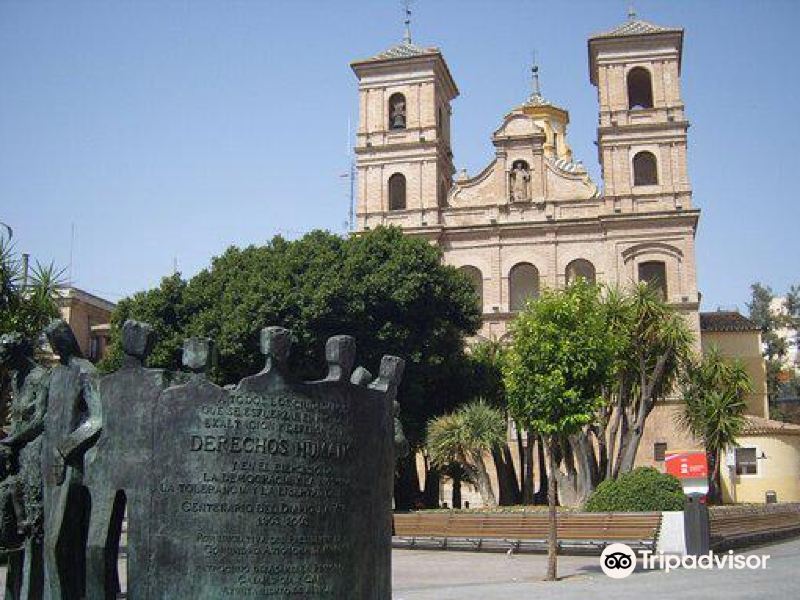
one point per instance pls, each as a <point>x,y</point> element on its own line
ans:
<point>524,531</point>
<point>726,528</point>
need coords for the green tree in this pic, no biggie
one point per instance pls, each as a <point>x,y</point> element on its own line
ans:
<point>714,406</point>
<point>165,309</point>
<point>390,291</point>
<point>561,356</point>
<point>775,347</point>
<point>464,437</point>
<point>768,320</point>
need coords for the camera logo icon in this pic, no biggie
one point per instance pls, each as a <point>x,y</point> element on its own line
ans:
<point>618,561</point>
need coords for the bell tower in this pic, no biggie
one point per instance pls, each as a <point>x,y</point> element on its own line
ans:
<point>404,159</point>
<point>641,134</point>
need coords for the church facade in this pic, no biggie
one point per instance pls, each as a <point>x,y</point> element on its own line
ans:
<point>533,217</point>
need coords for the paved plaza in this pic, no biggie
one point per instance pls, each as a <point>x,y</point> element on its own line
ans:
<point>438,575</point>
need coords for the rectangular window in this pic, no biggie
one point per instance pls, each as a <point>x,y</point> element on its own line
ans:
<point>746,462</point>
<point>659,451</point>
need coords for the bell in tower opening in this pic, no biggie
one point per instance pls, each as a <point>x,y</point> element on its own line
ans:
<point>397,111</point>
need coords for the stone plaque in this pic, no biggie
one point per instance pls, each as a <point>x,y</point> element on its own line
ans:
<point>276,488</point>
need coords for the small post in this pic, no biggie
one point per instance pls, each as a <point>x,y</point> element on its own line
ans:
<point>695,526</point>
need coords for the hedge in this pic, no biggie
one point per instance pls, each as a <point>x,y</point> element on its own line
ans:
<point>643,489</point>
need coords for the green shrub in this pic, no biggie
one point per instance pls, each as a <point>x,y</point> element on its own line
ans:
<point>643,489</point>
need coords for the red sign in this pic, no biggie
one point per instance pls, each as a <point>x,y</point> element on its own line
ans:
<point>687,465</point>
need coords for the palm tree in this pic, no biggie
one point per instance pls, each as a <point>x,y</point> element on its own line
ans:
<point>658,342</point>
<point>714,403</point>
<point>464,437</point>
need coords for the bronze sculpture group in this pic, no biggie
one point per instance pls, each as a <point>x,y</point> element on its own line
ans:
<point>77,455</point>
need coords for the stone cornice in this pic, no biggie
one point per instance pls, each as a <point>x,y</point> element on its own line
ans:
<point>432,58</point>
<point>397,146</point>
<point>609,221</point>
<point>647,127</point>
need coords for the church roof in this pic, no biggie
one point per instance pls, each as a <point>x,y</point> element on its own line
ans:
<point>726,320</point>
<point>761,426</point>
<point>404,49</point>
<point>635,27</point>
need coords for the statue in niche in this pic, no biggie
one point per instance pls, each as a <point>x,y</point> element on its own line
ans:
<point>520,182</point>
<point>397,112</point>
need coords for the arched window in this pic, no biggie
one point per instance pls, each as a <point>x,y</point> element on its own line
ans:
<point>523,284</point>
<point>645,169</point>
<point>654,274</point>
<point>640,89</point>
<point>397,111</point>
<point>476,278</point>
<point>397,192</point>
<point>580,268</point>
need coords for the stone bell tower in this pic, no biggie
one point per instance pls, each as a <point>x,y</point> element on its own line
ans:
<point>641,140</point>
<point>404,158</point>
<point>641,135</point>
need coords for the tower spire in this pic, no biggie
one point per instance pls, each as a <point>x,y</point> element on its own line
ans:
<point>537,90</point>
<point>407,35</point>
<point>631,12</point>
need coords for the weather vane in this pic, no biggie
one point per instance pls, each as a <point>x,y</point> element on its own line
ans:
<point>631,11</point>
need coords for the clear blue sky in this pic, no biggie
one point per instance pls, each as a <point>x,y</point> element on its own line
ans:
<point>169,130</point>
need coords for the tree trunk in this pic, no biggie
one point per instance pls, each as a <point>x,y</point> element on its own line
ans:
<point>484,483</point>
<point>552,530</point>
<point>631,448</point>
<point>541,495</point>
<point>566,477</point>
<point>432,479</point>
<point>618,429</point>
<point>636,432</point>
<point>647,399</point>
<point>456,498</point>
<point>612,432</point>
<point>512,475</point>
<point>527,490</point>
<point>587,469</point>
<point>406,486</point>
<point>624,433</point>
<point>715,487</point>
<point>503,491</point>
<point>522,466</point>
<point>602,454</point>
